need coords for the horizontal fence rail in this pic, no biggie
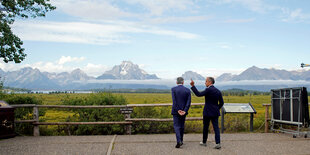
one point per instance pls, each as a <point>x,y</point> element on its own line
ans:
<point>162,120</point>
<point>126,110</point>
<point>97,106</point>
<point>79,123</point>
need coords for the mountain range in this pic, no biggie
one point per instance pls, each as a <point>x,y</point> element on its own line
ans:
<point>119,76</point>
<point>34,79</point>
<point>255,73</point>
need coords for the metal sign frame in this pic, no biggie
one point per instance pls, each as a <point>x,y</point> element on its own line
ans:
<point>248,105</point>
<point>239,111</point>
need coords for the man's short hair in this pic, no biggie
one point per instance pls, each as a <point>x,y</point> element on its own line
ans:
<point>211,79</point>
<point>180,80</point>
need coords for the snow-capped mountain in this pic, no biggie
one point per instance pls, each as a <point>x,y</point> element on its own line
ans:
<point>127,71</point>
<point>192,75</point>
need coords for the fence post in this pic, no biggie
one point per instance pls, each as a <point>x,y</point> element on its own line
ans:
<point>222,121</point>
<point>127,111</point>
<point>36,130</point>
<point>266,116</point>
<point>251,122</point>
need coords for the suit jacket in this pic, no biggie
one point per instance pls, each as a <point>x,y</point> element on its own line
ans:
<point>212,97</point>
<point>181,98</point>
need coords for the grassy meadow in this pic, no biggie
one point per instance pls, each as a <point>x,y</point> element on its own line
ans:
<point>233,122</point>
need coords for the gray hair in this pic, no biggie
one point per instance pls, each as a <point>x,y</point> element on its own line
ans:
<point>211,79</point>
<point>180,80</point>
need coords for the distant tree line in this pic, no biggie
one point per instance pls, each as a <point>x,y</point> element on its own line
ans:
<point>241,92</point>
<point>61,92</point>
<point>148,90</point>
<point>16,89</point>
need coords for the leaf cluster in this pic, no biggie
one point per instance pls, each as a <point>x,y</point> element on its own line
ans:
<point>10,44</point>
<point>24,8</point>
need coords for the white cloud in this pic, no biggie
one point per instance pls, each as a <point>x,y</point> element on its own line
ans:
<point>9,66</point>
<point>94,9</point>
<point>56,66</point>
<point>69,32</point>
<point>89,33</point>
<point>159,7</point>
<point>42,66</point>
<point>259,6</point>
<point>151,11</point>
<point>108,9</point>
<point>165,73</point>
<point>50,67</point>
<point>189,19</point>
<point>224,45</point>
<point>239,20</point>
<point>253,5</point>
<point>296,15</point>
<point>65,59</point>
<point>95,69</point>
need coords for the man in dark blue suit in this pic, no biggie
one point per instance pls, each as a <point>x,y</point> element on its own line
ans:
<point>211,111</point>
<point>181,97</point>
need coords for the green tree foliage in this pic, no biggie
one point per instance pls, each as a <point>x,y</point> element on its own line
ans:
<point>97,115</point>
<point>241,92</point>
<point>10,44</point>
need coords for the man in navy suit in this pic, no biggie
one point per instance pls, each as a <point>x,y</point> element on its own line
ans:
<point>211,111</point>
<point>181,97</point>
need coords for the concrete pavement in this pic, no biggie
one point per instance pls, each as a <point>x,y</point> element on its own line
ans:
<point>240,143</point>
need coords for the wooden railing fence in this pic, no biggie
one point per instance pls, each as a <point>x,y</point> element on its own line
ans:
<point>126,110</point>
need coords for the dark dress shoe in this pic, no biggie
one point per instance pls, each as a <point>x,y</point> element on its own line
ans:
<point>181,143</point>
<point>178,145</point>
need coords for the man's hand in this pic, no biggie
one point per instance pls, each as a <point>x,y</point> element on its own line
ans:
<point>181,112</point>
<point>192,83</point>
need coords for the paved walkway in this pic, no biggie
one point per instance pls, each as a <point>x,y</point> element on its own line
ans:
<point>162,144</point>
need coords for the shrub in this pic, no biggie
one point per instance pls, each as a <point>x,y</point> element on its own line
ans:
<point>24,113</point>
<point>152,127</point>
<point>95,115</point>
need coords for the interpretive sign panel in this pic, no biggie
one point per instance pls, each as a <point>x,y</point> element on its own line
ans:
<point>238,108</point>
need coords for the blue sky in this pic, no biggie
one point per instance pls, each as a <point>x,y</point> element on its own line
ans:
<point>167,37</point>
